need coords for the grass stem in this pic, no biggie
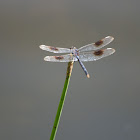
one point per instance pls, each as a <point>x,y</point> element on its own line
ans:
<point>61,103</point>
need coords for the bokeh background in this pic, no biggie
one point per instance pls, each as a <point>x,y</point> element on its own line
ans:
<point>104,107</point>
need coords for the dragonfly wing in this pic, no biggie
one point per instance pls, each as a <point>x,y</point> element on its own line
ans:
<point>55,49</point>
<point>95,55</point>
<point>62,58</point>
<point>97,45</point>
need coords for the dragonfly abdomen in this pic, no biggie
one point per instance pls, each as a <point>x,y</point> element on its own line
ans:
<point>83,67</point>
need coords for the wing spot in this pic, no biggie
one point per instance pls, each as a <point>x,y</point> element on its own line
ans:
<point>53,48</point>
<point>98,53</point>
<point>59,57</point>
<point>98,43</point>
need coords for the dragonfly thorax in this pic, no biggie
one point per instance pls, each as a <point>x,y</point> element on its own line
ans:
<point>75,51</point>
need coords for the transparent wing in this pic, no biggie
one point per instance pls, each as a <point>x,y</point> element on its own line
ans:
<point>95,55</point>
<point>62,58</point>
<point>55,49</point>
<point>97,45</point>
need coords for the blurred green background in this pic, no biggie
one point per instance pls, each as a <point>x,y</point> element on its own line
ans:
<point>104,107</point>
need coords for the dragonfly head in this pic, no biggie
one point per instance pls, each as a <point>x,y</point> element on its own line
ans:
<point>72,47</point>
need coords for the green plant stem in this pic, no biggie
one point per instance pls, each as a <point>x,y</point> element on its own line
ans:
<point>61,103</point>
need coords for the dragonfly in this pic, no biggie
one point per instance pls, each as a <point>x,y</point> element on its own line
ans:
<point>90,52</point>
